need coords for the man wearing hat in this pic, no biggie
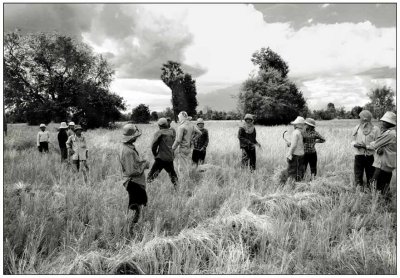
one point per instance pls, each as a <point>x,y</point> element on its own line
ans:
<point>78,152</point>
<point>363,134</point>
<point>62,140</point>
<point>185,133</point>
<point>161,148</point>
<point>385,153</point>
<point>133,166</point>
<point>295,156</point>
<point>248,142</point>
<point>310,137</point>
<point>200,144</point>
<point>70,130</point>
<point>43,139</point>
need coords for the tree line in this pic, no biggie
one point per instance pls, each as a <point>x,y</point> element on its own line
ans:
<point>52,77</point>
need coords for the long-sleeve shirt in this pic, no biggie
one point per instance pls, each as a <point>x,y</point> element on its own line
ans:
<point>309,138</point>
<point>360,138</point>
<point>387,143</point>
<point>62,138</point>
<point>42,136</point>
<point>247,140</point>
<point>78,146</point>
<point>132,165</point>
<point>201,141</point>
<point>296,143</point>
<point>161,146</point>
<point>184,135</point>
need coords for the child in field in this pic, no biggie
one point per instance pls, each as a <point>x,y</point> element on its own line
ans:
<point>363,134</point>
<point>62,140</point>
<point>385,153</point>
<point>133,166</point>
<point>200,144</point>
<point>295,156</point>
<point>43,138</point>
<point>310,137</point>
<point>248,142</point>
<point>78,152</point>
<point>162,151</point>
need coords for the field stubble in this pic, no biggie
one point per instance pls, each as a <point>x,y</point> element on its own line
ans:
<point>221,221</point>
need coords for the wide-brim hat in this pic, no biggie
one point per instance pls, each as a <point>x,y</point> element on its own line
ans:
<point>130,132</point>
<point>42,125</point>
<point>310,122</point>
<point>63,125</point>
<point>299,120</point>
<point>200,121</point>
<point>71,123</point>
<point>78,127</point>
<point>248,116</point>
<point>390,118</point>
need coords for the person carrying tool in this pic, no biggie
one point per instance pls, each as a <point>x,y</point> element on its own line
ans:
<point>295,156</point>
<point>363,134</point>
<point>200,144</point>
<point>161,148</point>
<point>133,166</point>
<point>43,139</point>
<point>310,137</point>
<point>248,142</point>
<point>385,154</point>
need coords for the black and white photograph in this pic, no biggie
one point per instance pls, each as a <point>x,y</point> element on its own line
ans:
<point>199,138</point>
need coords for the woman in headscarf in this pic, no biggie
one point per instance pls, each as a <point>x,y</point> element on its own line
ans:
<point>133,166</point>
<point>185,133</point>
<point>248,142</point>
<point>363,134</point>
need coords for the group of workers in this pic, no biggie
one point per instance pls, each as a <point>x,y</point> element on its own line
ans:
<point>374,149</point>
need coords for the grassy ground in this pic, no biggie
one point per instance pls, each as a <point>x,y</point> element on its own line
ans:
<point>221,221</point>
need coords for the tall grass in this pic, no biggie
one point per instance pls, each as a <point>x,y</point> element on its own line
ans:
<point>224,220</point>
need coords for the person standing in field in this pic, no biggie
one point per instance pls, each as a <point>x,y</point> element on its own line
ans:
<point>78,152</point>
<point>363,134</point>
<point>200,144</point>
<point>248,142</point>
<point>43,139</point>
<point>169,126</point>
<point>71,128</point>
<point>385,153</point>
<point>185,133</point>
<point>295,156</point>
<point>133,166</point>
<point>310,137</point>
<point>62,141</point>
<point>161,148</point>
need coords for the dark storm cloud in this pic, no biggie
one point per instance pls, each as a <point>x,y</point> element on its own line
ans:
<point>137,41</point>
<point>380,15</point>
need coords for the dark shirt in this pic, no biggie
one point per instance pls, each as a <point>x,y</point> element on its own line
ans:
<point>309,138</point>
<point>202,140</point>
<point>162,144</point>
<point>62,138</point>
<point>247,140</point>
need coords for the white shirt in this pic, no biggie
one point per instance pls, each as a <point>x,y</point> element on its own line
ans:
<point>43,136</point>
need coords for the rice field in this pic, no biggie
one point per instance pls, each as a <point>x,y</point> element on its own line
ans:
<point>223,221</point>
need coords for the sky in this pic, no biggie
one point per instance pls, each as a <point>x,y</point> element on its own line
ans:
<point>335,52</point>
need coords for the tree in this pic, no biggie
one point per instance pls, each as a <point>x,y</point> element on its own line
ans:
<point>141,114</point>
<point>266,59</point>
<point>272,98</point>
<point>183,88</point>
<point>154,116</point>
<point>382,100</point>
<point>355,111</point>
<point>52,77</point>
<point>331,110</point>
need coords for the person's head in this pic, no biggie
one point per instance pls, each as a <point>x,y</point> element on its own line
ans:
<point>365,116</point>
<point>63,126</point>
<point>249,119</point>
<point>183,116</point>
<point>200,123</point>
<point>130,133</point>
<point>310,123</point>
<point>162,123</point>
<point>388,120</point>
<point>42,127</point>
<point>71,125</point>
<point>78,130</point>
<point>298,123</point>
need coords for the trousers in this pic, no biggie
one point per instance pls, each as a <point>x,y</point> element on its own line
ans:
<point>363,163</point>
<point>381,179</point>
<point>160,165</point>
<point>311,159</point>
<point>249,158</point>
<point>296,167</point>
<point>198,156</point>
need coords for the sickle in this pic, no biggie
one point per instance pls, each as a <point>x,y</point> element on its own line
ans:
<point>283,136</point>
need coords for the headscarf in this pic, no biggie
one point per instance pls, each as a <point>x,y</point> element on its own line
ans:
<point>366,124</point>
<point>183,117</point>
<point>248,127</point>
